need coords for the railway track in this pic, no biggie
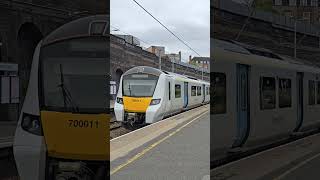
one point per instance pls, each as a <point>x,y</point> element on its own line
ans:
<point>114,125</point>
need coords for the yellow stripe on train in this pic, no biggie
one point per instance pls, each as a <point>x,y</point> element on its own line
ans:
<point>76,136</point>
<point>136,104</point>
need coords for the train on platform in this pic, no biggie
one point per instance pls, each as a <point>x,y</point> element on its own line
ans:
<point>63,128</point>
<point>259,98</point>
<point>147,95</point>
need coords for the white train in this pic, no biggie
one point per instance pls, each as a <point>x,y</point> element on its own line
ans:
<point>147,95</point>
<point>259,97</point>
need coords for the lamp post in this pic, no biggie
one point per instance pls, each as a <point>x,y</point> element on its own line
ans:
<point>172,66</point>
<point>202,69</point>
<point>295,39</point>
<point>295,35</point>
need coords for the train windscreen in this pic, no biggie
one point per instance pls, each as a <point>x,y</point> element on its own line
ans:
<point>74,75</point>
<point>139,85</point>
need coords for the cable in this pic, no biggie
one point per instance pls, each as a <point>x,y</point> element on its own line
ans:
<point>167,28</point>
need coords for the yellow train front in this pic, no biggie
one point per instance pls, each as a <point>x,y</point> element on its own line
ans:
<point>63,129</point>
<point>147,95</point>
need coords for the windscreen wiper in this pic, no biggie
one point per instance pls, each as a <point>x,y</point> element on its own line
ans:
<point>66,93</point>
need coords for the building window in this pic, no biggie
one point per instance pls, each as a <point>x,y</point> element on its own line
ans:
<point>219,94</point>
<point>303,2</point>
<point>285,2</point>
<point>177,91</point>
<point>306,15</point>
<point>284,93</point>
<point>314,3</point>
<point>277,2</point>
<point>193,90</point>
<point>312,93</point>
<point>288,13</point>
<point>267,93</point>
<point>292,2</point>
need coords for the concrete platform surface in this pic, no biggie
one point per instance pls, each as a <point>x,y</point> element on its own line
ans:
<point>282,162</point>
<point>180,153</point>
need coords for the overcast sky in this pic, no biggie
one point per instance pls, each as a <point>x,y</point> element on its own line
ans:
<point>189,19</point>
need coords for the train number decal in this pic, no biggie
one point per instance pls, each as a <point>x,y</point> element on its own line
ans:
<point>83,124</point>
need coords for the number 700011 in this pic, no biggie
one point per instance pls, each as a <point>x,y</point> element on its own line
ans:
<point>83,124</point>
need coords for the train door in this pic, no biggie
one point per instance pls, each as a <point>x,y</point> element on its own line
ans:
<point>299,101</point>
<point>204,92</point>
<point>185,95</point>
<point>242,105</point>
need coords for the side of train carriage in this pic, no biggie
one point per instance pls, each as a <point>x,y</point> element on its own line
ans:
<point>147,95</point>
<point>259,97</point>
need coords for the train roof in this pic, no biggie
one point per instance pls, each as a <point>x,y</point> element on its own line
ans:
<point>157,72</point>
<point>236,52</point>
<point>91,25</point>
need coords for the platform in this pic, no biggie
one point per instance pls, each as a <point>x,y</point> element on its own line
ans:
<point>175,148</point>
<point>296,160</point>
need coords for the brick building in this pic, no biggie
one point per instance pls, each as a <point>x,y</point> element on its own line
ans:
<point>306,10</point>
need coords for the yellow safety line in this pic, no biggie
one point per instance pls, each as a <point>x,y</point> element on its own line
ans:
<point>137,156</point>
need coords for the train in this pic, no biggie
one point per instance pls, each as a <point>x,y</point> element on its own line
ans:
<point>147,95</point>
<point>259,98</point>
<point>63,127</point>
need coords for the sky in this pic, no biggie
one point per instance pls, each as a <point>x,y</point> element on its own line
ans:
<point>188,19</point>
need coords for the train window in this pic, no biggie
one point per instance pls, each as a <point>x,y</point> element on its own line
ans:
<point>177,91</point>
<point>198,90</point>
<point>312,93</point>
<point>219,96</point>
<point>284,93</point>
<point>318,92</point>
<point>169,91</point>
<point>267,93</point>
<point>193,90</point>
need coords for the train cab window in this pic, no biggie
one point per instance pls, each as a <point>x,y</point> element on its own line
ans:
<point>198,90</point>
<point>318,92</point>
<point>219,95</point>
<point>312,93</point>
<point>267,93</point>
<point>177,91</point>
<point>193,90</point>
<point>139,85</point>
<point>284,93</point>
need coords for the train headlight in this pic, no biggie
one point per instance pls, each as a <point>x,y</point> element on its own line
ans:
<point>155,101</point>
<point>119,100</point>
<point>32,124</point>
